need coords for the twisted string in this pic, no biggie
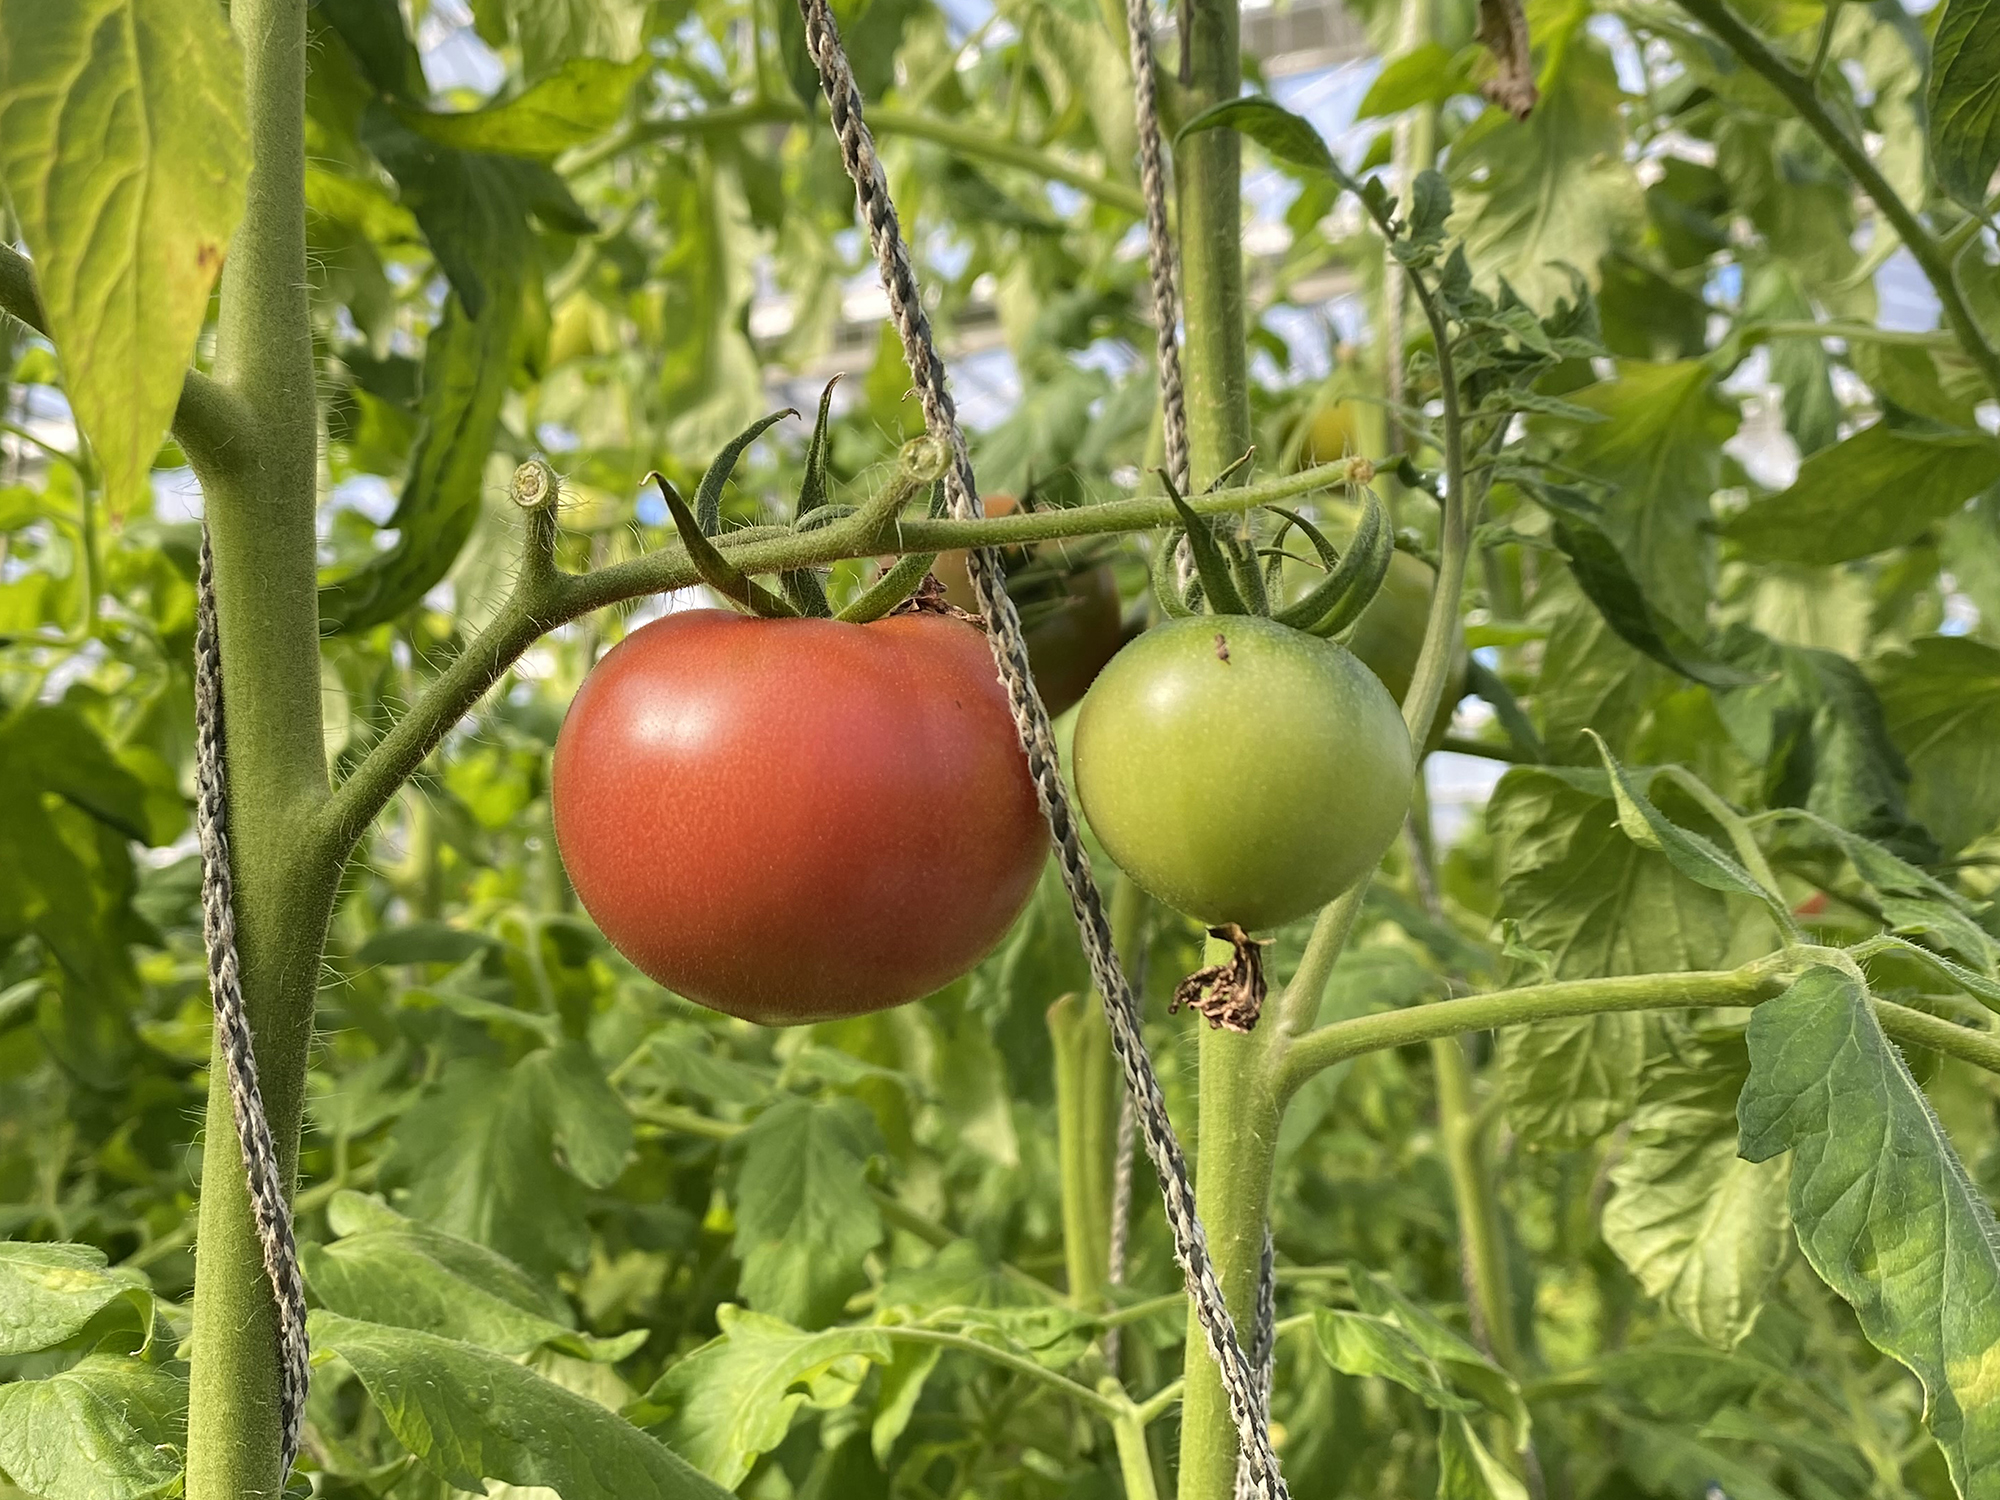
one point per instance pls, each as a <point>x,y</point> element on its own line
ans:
<point>269,1206</point>
<point>1003,627</point>
<point>1263,1350</point>
<point>1159,241</point>
<point>1166,315</point>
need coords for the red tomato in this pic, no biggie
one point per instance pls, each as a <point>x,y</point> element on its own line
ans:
<point>793,820</point>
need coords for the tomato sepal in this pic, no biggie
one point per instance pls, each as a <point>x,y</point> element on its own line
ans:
<point>717,571</point>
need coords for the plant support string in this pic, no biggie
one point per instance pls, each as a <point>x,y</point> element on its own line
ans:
<point>1239,1377</point>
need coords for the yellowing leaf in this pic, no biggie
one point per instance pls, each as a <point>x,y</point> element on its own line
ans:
<point>124,153</point>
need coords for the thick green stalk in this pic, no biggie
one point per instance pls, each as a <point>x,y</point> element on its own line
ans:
<point>259,505</point>
<point>1238,1130</point>
<point>1237,1143</point>
<point>1482,1246</point>
<point>1086,1121</point>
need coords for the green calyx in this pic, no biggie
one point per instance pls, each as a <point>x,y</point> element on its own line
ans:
<point>1230,573</point>
<point>801,592</point>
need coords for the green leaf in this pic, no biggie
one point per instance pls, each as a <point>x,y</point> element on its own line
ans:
<point>1884,1210</point>
<point>1598,904</point>
<point>1881,488</point>
<point>734,1398</point>
<point>1693,854</point>
<point>107,1428</point>
<point>1466,1366</point>
<point>1429,73</point>
<point>1964,100</point>
<point>1817,728</point>
<point>53,748</point>
<point>1703,1230</point>
<point>470,1415</point>
<point>500,1156</point>
<point>50,1292</point>
<point>124,152</point>
<point>573,105</point>
<point>1467,1470</point>
<point>1286,136</point>
<point>1556,189</point>
<point>467,362</point>
<point>1358,1344</point>
<point>1657,452</point>
<point>804,1216</point>
<point>1941,701</point>
<point>1607,580</point>
<point>413,1276</point>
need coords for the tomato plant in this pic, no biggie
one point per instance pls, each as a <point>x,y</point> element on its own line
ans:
<point>1242,772</point>
<point>792,820</point>
<point>1071,612</point>
<point>1623,1126</point>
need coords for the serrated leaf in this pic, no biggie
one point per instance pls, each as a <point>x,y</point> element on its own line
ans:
<point>1884,1210</point>
<point>500,1155</point>
<point>107,1428</point>
<point>50,1292</point>
<point>1816,727</point>
<point>1556,188</point>
<point>1598,904</point>
<point>734,1398</point>
<point>124,152</point>
<point>1963,103</point>
<point>470,1415</point>
<point>413,1276</point>
<point>1657,453</point>
<point>577,103</point>
<point>804,1216</point>
<point>1703,1230</point>
<point>1878,489</point>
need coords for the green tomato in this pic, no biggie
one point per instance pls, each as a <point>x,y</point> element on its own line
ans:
<point>1389,637</point>
<point>1241,771</point>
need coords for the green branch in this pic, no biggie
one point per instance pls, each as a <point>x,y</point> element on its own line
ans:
<point>1111,1408</point>
<point>544,597</point>
<point>981,142</point>
<point>1799,92</point>
<point>1752,984</point>
<point>211,423</point>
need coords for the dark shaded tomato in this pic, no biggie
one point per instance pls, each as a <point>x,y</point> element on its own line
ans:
<point>1241,771</point>
<point>1073,623</point>
<point>792,820</point>
<point>1389,637</point>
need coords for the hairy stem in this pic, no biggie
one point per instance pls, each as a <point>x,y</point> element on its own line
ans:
<point>1925,248</point>
<point>1086,1120</point>
<point>545,598</point>
<point>1751,984</point>
<point>258,499</point>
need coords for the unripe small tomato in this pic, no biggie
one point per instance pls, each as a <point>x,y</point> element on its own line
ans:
<point>1389,637</point>
<point>1073,623</point>
<point>1241,771</point>
<point>795,820</point>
